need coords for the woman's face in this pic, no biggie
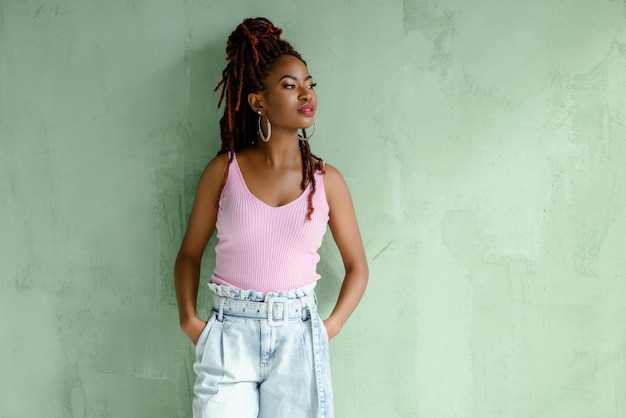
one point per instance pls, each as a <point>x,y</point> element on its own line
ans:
<point>289,98</point>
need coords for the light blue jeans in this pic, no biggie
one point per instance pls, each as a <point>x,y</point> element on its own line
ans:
<point>265,358</point>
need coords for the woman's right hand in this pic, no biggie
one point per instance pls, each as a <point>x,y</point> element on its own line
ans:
<point>193,328</point>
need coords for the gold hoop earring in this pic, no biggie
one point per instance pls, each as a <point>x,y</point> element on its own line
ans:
<point>269,128</point>
<point>306,137</point>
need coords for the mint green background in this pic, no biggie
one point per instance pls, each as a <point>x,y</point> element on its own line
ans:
<point>484,143</point>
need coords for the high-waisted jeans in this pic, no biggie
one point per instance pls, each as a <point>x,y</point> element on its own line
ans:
<point>263,357</point>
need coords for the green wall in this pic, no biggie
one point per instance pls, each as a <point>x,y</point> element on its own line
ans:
<point>484,142</point>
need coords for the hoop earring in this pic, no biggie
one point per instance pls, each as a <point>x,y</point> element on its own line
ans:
<point>269,128</point>
<point>306,138</point>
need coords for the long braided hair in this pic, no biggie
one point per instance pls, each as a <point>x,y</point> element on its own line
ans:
<point>252,50</point>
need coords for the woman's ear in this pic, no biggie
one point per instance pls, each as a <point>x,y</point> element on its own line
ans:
<point>255,102</point>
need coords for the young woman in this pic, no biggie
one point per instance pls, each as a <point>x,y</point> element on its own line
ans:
<point>264,350</point>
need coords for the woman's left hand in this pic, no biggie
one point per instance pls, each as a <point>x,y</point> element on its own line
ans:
<point>331,328</point>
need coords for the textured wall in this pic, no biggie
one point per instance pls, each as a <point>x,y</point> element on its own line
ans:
<point>485,145</point>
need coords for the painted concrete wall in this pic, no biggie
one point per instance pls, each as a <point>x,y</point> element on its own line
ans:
<point>484,142</point>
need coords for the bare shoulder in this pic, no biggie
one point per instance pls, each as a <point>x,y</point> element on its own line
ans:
<point>212,178</point>
<point>217,165</point>
<point>214,171</point>
<point>332,174</point>
<point>335,185</point>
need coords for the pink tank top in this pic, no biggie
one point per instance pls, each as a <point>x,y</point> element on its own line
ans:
<point>267,248</point>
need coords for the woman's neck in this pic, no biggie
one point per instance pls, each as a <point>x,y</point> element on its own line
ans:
<point>280,150</point>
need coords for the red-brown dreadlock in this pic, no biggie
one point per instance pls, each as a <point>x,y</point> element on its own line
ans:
<point>252,50</point>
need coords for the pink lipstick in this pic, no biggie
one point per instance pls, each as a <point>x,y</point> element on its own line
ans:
<point>307,109</point>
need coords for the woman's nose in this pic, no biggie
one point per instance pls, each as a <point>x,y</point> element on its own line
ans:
<point>305,94</point>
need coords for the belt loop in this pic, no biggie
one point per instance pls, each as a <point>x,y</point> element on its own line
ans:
<point>312,300</point>
<point>304,307</point>
<point>220,311</point>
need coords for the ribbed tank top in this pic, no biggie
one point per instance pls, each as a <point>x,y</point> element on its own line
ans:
<point>267,248</point>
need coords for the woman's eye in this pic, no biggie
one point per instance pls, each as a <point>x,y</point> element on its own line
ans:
<point>289,86</point>
<point>312,86</point>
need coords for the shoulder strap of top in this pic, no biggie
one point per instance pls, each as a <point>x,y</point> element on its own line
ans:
<point>238,177</point>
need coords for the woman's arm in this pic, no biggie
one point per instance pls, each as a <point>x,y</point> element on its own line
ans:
<point>345,231</point>
<point>199,230</point>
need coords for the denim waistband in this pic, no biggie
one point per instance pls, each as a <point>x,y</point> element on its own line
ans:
<point>276,307</point>
<point>255,296</point>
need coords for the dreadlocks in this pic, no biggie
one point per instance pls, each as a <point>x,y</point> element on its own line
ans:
<point>252,50</point>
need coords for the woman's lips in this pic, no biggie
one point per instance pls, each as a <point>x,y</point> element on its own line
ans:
<point>307,109</point>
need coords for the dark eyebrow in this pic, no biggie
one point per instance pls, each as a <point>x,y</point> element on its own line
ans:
<point>293,77</point>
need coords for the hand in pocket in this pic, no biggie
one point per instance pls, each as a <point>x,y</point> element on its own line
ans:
<point>194,328</point>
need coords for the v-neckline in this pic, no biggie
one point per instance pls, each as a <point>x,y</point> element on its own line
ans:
<point>247,189</point>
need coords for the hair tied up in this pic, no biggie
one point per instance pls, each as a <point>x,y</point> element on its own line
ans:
<point>262,28</point>
<point>248,35</point>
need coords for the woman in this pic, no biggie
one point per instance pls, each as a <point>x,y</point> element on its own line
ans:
<point>264,350</point>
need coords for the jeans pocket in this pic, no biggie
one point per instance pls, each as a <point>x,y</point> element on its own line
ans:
<point>204,335</point>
